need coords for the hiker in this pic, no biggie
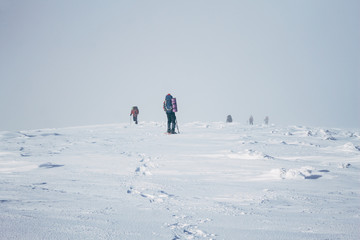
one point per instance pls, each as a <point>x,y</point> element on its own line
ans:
<point>134,112</point>
<point>266,120</point>
<point>229,119</point>
<point>170,109</point>
<point>251,120</point>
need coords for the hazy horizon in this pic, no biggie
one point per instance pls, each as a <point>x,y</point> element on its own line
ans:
<point>66,63</point>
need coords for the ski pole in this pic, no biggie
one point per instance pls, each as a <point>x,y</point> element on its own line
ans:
<point>177,126</point>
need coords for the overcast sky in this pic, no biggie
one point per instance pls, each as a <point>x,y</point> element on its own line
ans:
<point>71,63</point>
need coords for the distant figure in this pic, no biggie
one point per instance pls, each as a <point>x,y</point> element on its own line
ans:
<point>229,119</point>
<point>170,109</point>
<point>266,120</point>
<point>251,120</point>
<point>135,112</point>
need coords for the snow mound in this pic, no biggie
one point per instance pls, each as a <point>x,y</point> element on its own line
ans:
<point>249,154</point>
<point>300,173</point>
<point>344,165</point>
<point>326,134</point>
<point>253,153</point>
<point>350,147</point>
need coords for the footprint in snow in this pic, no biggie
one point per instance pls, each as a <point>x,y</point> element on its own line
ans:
<point>158,197</point>
<point>143,171</point>
<point>188,230</point>
<point>147,164</point>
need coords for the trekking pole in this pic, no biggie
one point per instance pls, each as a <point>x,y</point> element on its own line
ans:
<point>177,126</point>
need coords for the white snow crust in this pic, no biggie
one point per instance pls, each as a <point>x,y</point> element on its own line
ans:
<point>212,181</point>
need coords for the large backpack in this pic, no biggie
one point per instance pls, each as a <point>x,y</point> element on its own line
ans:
<point>174,104</point>
<point>168,104</point>
<point>135,110</point>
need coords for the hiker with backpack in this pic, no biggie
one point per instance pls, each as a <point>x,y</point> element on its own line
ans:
<point>170,108</point>
<point>134,112</point>
<point>266,120</point>
<point>229,119</point>
<point>251,120</point>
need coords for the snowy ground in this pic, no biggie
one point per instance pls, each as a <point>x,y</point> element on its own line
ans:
<point>212,181</point>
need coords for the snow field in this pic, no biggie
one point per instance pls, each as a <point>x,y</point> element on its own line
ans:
<point>212,181</point>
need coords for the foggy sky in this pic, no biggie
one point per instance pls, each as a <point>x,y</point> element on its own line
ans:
<point>71,63</point>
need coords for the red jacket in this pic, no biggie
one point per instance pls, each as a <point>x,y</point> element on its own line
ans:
<point>134,111</point>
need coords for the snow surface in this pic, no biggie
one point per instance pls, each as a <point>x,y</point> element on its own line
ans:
<point>212,181</point>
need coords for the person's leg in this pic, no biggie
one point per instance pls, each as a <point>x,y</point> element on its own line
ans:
<point>168,122</point>
<point>173,120</point>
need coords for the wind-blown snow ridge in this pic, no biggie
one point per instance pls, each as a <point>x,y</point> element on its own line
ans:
<point>301,173</point>
<point>212,181</point>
